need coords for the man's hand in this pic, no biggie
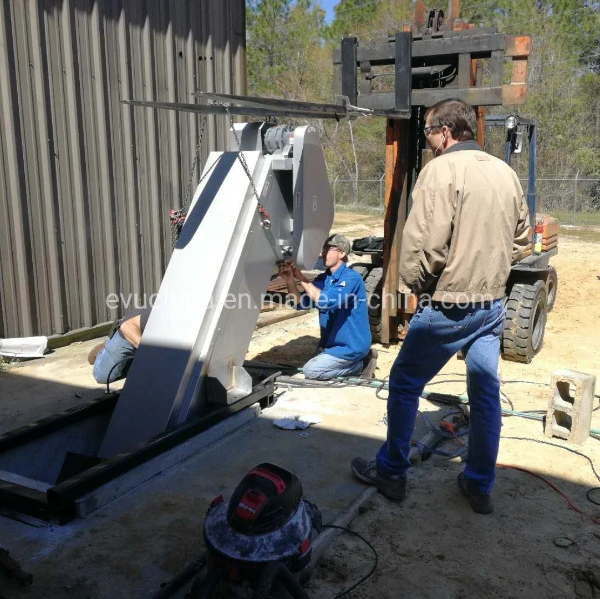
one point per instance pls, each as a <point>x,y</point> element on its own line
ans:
<point>288,269</point>
<point>289,272</point>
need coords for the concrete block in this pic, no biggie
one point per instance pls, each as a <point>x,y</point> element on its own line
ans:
<point>570,406</point>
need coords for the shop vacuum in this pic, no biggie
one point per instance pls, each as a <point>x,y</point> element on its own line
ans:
<point>263,535</point>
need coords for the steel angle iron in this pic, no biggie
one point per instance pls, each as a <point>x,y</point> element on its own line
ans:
<point>263,535</point>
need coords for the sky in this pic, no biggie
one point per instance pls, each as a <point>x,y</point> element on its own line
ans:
<point>328,6</point>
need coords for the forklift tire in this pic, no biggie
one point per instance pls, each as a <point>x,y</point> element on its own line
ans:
<point>551,286</point>
<point>374,286</point>
<point>525,323</point>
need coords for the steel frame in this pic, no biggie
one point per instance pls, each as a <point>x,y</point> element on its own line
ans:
<point>57,504</point>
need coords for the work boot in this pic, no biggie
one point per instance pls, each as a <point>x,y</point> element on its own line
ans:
<point>369,364</point>
<point>393,487</point>
<point>480,502</point>
<point>95,351</point>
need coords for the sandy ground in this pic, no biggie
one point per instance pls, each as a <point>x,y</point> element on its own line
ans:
<point>430,546</point>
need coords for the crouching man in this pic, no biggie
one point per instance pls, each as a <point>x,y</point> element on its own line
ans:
<point>112,358</point>
<point>340,297</point>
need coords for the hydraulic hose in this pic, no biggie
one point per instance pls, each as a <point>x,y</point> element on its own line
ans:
<point>203,587</point>
<point>273,572</point>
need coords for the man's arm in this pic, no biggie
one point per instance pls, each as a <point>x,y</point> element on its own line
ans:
<point>426,236</point>
<point>289,272</point>
<point>522,239</point>
<point>132,331</point>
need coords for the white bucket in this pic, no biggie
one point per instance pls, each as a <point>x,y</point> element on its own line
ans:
<point>23,347</point>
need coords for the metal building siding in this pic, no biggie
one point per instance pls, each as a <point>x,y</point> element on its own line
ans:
<point>86,183</point>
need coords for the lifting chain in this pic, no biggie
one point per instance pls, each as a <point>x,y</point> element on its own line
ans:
<point>265,219</point>
<point>177,216</point>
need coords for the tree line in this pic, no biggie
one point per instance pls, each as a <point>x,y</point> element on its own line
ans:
<point>289,49</point>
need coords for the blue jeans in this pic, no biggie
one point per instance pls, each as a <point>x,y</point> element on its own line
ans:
<point>435,335</point>
<point>324,367</point>
<point>114,360</point>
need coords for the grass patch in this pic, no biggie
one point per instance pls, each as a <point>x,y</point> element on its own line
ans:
<point>359,219</point>
<point>589,235</point>
<point>354,212</point>
<point>582,219</point>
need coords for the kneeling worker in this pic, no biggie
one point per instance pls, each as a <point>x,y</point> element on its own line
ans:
<point>112,359</point>
<point>339,295</point>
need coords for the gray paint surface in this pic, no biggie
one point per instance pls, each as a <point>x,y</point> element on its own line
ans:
<point>86,183</point>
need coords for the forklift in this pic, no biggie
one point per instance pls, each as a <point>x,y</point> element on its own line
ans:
<point>437,56</point>
<point>449,58</point>
<point>533,281</point>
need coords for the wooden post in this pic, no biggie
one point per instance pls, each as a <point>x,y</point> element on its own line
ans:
<point>396,196</point>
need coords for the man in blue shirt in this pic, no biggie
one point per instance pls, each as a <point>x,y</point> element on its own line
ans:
<point>339,295</point>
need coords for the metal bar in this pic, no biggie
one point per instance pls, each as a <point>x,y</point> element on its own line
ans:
<point>479,44</point>
<point>325,538</point>
<point>38,429</point>
<point>348,59</point>
<point>276,103</point>
<point>366,78</point>
<point>531,198</point>
<point>428,97</point>
<point>403,81</point>
<point>23,500</point>
<point>246,111</point>
<point>464,78</point>
<point>497,68</point>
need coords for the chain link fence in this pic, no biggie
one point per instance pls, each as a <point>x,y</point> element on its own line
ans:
<point>574,201</point>
<point>351,194</point>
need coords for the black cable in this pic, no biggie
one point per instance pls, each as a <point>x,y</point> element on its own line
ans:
<point>588,495</point>
<point>373,568</point>
<point>111,371</point>
<point>560,447</point>
<point>378,391</point>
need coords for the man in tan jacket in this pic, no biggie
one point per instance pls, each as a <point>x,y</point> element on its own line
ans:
<point>468,224</point>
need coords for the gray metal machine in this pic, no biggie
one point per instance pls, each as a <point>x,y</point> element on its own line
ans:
<point>266,199</point>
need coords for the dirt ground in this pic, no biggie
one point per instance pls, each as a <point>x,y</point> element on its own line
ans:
<point>431,546</point>
<point>533,545</point>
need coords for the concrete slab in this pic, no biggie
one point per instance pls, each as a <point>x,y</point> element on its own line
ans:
<point>34,389</point>
<point>129,547</point>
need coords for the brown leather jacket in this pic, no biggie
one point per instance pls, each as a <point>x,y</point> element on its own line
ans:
<point>468,224</point>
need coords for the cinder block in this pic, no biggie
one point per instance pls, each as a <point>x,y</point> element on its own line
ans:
<point>570,406</point>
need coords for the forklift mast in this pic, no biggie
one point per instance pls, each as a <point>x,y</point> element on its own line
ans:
<point>434,58</point>
<point>514,126</point>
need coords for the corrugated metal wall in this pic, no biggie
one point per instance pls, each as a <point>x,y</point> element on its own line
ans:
<point>86,183</point>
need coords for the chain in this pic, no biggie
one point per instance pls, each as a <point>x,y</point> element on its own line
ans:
<point>177,217</point>
<point>265,219</point>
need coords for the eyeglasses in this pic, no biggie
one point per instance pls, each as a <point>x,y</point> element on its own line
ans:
<point>429,129</point>
<point>329,248</point>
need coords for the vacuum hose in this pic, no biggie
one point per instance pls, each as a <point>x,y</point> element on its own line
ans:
<point>203,587</point>
<point>277,571</point>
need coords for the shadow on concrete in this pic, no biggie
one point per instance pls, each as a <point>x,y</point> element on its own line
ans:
<point>294,353</point>
<point>25,399</point>
<point>128,548</point>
